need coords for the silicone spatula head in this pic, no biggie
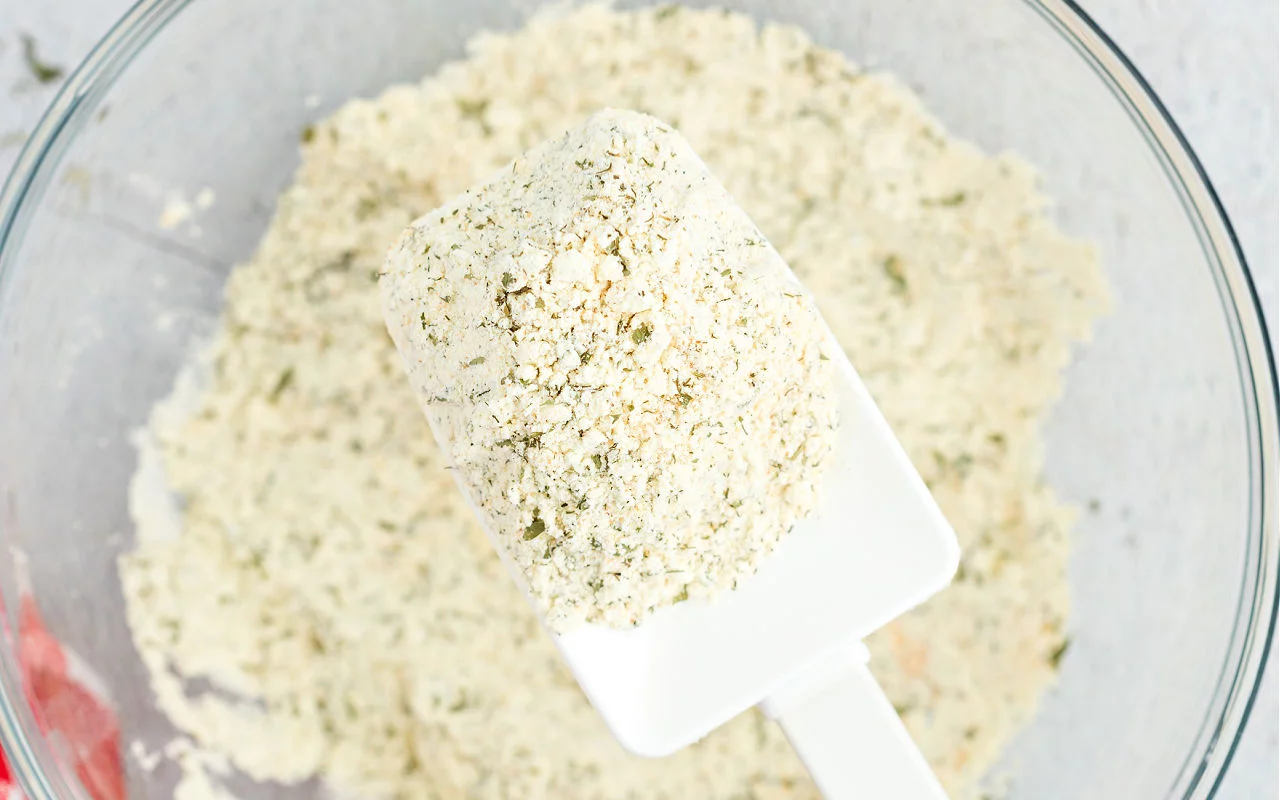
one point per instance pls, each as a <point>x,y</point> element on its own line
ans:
<point>875,546</point>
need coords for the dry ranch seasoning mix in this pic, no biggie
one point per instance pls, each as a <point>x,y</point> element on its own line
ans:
<point>324,573</point>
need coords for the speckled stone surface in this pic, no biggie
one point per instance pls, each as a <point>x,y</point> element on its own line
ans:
<point>1213,62</point>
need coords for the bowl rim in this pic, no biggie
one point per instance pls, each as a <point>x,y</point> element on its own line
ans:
<point>1229,706</point>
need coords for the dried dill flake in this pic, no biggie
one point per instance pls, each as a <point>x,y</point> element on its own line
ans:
<point>659,285</point>
<point>535,529</point>
<point>43,71</point>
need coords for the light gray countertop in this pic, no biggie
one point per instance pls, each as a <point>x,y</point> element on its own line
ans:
<point>1213,62</point>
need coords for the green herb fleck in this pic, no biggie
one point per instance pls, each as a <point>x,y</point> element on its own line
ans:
<point>585,358</point>
<point>535,529</point>
<point>42,71</point>
<point>460,704</point>
<point>366,207</point>
<point>475,362</point>
<point>423,317</point>
<point>472,109</point>
<point>892,267</point>
<point>666,12</point>
<point>949,201</point>
<point>308,134</point>
<point>1055,657</point>
<point>507,279</point>
<point>685,398</point>
<point>283,382</point>
<point>597,460</point>
<point>939,459</point>
<point>641,334</point>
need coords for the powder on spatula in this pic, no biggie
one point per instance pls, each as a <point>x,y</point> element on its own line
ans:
<point>622,368</point>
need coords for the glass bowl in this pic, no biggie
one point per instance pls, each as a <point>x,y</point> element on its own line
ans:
<point>1166,430</point>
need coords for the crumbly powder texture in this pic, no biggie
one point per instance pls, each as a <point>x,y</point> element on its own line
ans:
<point>591,333</point>
<point>327,570</point>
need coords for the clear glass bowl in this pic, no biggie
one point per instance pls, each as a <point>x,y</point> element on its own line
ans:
<point>1168,422</point>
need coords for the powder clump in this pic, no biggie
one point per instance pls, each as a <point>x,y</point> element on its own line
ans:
<point>631,384</point>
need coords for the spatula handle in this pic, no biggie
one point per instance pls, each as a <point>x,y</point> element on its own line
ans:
<point>849,735</point>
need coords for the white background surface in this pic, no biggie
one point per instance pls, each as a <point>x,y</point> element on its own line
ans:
<point>1213,62</point>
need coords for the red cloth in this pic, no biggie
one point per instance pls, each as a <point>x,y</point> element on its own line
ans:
<point>79,724</point>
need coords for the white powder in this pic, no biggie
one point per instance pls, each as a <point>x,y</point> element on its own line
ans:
<point>621,367</point>
<point>327,566</point>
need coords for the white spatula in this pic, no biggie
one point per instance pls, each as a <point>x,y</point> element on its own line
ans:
<point>789,639</point>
